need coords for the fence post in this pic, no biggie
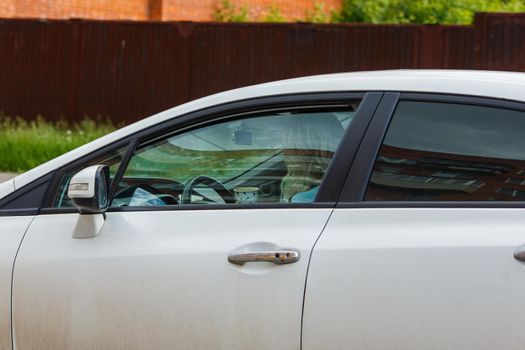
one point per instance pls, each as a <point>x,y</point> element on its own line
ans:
<point>430,41</point>
<point>77,43</point>
<point>480,41</point>
<point>184,33</point>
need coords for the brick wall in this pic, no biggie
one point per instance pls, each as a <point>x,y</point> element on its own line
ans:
<point>168,10</point>
<point>95,9</point>
<point>203,10</point>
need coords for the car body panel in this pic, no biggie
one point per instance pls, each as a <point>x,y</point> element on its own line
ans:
<point>6,188</point>
<point>504,85</point>
<point>12,230</point>
<point>161,279</point>
<point>417,278</point>
<point>397,278</point>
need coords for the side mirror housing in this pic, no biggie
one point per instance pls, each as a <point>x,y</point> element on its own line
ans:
<point>89,188</point>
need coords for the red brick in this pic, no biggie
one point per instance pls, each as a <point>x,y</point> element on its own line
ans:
<point>94,9</point>
<point>203,10</point>
<point>168,10</point>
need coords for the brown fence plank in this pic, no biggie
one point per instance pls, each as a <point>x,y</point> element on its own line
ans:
<point>128,70</point>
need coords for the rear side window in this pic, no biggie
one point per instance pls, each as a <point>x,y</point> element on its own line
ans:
<point>450,152</point>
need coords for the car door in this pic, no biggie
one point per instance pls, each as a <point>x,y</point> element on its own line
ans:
<point>17,211</point>
<point>175,264</point>
<point>13,229</point>
<point>425,250</point>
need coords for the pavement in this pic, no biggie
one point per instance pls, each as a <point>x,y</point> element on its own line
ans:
<point>6,176</point>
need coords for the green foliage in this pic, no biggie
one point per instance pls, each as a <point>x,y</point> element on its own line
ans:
<point>24,145</point>
<point>381,11</point>
<point>274,15</point>
<point>318,14</point>
<point>227,11</point>
<point>422,11</point>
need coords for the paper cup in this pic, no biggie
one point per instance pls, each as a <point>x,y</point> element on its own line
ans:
<point>246,194</point>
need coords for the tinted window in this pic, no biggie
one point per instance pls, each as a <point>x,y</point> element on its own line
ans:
<point>451,152</point>
<point>267,158</point>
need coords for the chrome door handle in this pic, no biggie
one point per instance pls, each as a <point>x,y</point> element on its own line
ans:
<point>519,254</point>
<point>279,257</point>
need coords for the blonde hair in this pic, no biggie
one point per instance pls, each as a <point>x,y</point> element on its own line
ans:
<point>311,140</point>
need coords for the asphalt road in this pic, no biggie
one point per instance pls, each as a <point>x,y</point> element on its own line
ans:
<point>6,176</point>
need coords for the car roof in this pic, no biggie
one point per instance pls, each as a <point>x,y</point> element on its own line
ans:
<point>502,85</point>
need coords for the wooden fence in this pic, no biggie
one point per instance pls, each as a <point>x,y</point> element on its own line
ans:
<point>129,70</point>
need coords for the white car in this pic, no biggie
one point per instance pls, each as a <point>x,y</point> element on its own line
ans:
<point>374,210</point>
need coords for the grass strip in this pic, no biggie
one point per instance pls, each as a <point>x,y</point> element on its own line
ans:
<point>26,144</point>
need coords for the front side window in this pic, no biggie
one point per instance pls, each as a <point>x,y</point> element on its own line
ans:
<point>451,152</point>
<point>272,157</point>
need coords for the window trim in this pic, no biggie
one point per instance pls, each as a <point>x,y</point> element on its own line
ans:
<point>339,164</point>
<point>336,175</point>
<point>32,197</point>
<point>361,169</point>
<point>359,176</point>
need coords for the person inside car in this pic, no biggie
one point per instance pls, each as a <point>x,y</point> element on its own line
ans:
<point>310,143</point>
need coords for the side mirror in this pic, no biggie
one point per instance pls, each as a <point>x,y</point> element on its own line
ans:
<point>89,188</point>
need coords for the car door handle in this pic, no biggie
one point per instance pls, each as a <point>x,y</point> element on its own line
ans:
<point>279,257</point>
<point>519,254</point>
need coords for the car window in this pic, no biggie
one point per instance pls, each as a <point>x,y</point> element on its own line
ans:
<point>112,159</point>
<point>450,152</point>
<point>272,157</point>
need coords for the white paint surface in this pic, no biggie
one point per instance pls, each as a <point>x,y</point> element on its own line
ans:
<point>379,279</point>
<point>416,279</point>
<point>11,232</point>
<point>161,280</point>
<point>6,188</point>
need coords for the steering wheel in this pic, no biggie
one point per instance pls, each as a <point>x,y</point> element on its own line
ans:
<point>207,181</point>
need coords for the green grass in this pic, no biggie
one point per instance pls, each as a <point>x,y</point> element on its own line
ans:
<point>24,145</point>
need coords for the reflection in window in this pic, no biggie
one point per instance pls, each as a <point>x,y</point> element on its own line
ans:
<point>271,158</point>
<point>518,194</point>
<point>450,152</point>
